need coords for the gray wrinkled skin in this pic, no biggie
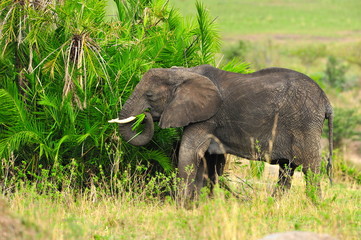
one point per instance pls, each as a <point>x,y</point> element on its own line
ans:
<point>274,115</point>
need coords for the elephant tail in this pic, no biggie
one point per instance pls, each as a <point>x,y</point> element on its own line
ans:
<point>329,116</point>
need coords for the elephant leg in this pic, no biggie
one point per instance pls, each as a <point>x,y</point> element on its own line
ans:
<point>195,142</point>
<point>285,175</point>
<point>215,166</point>
<point>201,176</point>
<point>311,163</point>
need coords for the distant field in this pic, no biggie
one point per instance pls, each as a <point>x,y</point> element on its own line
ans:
<point>278,32</point>
<point>327,18</point>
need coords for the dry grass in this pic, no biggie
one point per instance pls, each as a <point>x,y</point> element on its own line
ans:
<point>94,216</point>
<point>12,227</point>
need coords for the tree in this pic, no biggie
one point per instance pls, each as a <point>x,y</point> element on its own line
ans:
<point>66,71</point>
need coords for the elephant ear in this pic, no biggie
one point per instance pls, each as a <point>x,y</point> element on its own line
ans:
<point>195,98</point>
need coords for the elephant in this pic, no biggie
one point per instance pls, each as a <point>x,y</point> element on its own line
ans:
<point>274,115</point>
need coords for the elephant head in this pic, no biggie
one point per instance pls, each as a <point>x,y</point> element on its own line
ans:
<point>174,97</point>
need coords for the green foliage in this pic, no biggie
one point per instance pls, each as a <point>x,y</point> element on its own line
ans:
<point>335,73</point>
<point>137,123</point>
<point>65,71</point>
<point>236,66</point>
<point>343,170</point>
<point>257,167</point>
<point>346,125</point>
<point>207,37</point>
<point>310,53</point>
<point>237,51</point>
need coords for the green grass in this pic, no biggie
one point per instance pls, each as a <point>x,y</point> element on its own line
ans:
<point>327,18</point>
<point>135,208</point>
<point>286,33</point>
<point>93,215</point>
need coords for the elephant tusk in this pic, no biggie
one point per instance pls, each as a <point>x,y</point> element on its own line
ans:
<point>121,121</point>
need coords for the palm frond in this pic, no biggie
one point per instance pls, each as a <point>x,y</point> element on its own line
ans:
<point>14,140</point>
<point>237,66</point>
<point>11,107</point>
<point>209,41</point>
<point>160,157</point>
<point>67,46</point>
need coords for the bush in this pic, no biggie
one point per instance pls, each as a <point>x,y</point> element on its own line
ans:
<point>237,51</point>
<point>65,72</point>
<point>309,54</point>
<point>346,125</point>
<point>343,170</point>
<point>335,73</point>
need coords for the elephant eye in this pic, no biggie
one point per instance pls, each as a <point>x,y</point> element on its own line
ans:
<point>151,97</point>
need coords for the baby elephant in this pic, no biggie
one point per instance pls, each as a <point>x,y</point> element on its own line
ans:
<point>274,115</point>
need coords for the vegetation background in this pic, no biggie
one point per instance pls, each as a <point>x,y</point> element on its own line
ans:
<point>66,67</point>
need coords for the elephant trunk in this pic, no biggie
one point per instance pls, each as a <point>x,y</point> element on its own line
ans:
<point>125,129</point>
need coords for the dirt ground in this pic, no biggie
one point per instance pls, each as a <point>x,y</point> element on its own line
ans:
<point>12,228</point>
<point>342,37</point>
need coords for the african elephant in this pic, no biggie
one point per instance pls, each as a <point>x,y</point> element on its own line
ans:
<point>274,115</point>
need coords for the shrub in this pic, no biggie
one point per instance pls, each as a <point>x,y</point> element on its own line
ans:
<point>65,71</point>
<point>335,73</point>
<point>309,54</point>
<point>237,51</point>
<point>346,124</point>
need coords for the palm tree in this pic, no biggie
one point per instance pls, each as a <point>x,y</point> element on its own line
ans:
<point>65,71</point>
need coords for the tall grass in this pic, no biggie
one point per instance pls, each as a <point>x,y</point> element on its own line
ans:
<point>96,215</point>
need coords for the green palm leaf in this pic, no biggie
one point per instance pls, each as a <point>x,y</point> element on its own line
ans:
<point>11,108</point>
<point>160,157</point>
<point>66,71</point>
<point>209,41</point>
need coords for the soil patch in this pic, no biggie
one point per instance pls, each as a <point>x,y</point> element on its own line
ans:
<point>342,37</point>
<point>11,227</point>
